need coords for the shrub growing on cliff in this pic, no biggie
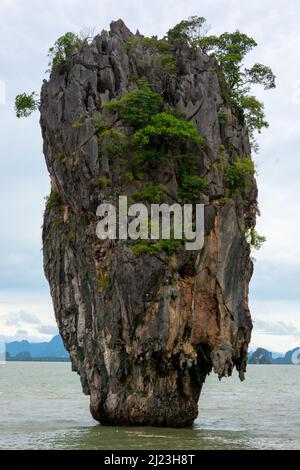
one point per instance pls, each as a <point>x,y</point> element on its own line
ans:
<point>147,247</point>
<point>165,59</point>
<point>112,143</point>
<point>137,107</point>
<point>151,192</point>
<point>190,187</point>
<point>143,110</point>
<point>254,115</point>
<point>230,50</point>
<point>60,53</point>
<point>166,128</point>
<point>188,31</point>
<point>159,132</point>
<point>223,115</point>
<point>152,43</point>
<point>102,181</point>
<point>53,200</point>
<point>25,104</point>
<point>254,239</point>
<point>167,63</point>
<point>156,44</point>
<point>238,174</point>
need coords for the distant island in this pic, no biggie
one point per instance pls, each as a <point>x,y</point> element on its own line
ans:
<point>52,351</point>
<point>263,356</point>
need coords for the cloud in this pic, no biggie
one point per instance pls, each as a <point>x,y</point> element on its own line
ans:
<point>276,324</point>
<point>277,328</point>
<point>26,310</point>
<point>48,330</point>
<point>21,317</point>
<point>22,333</point>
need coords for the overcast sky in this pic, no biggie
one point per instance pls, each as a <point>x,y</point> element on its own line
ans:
<point>28,28</point>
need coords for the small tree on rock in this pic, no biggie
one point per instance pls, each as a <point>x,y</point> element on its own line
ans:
<point>25,104</point>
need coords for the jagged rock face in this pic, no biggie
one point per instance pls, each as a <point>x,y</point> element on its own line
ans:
<point>144,342</point>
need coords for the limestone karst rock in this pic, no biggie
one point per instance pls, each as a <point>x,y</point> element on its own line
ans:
<point>143,331</point>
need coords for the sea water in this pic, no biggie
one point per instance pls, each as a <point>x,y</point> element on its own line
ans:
<point>42,407</point>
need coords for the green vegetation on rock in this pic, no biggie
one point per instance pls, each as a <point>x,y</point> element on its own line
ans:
<point>156,44</point>
<point>53,201</point>
<point>61,158</point>
<point>254,239</point>
<point>158,132</point>
<point>112,143</point>
<point>165,61</point>
<point>25,104</point>
<point>230,50</point>
<point>102,181</point>
<point>191,186</point>
<point>151,192</point>
<point>137,107</point>
<point>103,282</point>
<point>60,53</point>
<point>147,247</point>
<point>190,183</point>
<point>168,63</point>
<point>238,175</point>
<point>223,115</point>
<point>164,128</point>
<point>187,31</point>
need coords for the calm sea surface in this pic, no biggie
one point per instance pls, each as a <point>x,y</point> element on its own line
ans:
<point>42,407</point>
